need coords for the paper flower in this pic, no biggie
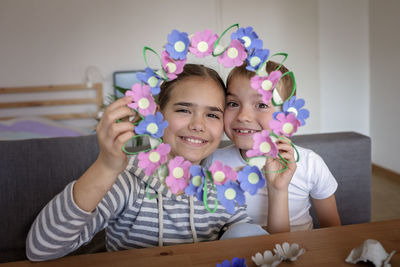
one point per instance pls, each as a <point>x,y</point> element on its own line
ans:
<point>151,160</point>
<point>179,174</point>
<point>153,125</point>
<point>288,252</point>
<point>202,43</point>
<point>371,250</point>
<point>256,58</point>
<point>295,106</point>
<point>265,85</point>
<point>248,37</point>
<point>228,193</point>
<point>142,99</point>
<point>150,78</point>
<point>178,44</point>
<point>268,260</point>
<point>234,55</point>
<point>236,262</point>
<point>221,174</point>
<point>196,182</point>
<point>263,145</point>
<point>172,67</point>
<point>251,179</point>
<point>284,124</point>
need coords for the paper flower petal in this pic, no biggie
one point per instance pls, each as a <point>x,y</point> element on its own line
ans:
<point>251,179</point>
<point>179,174</point>
<point>151,160</point>
<point>234,55</point>
<point>228,194</point>
<point>222,173</point>
<point>172,67</point>
<point>284,124</point>
<point>150,78</point>
<point>248,37</point>
<point>178,45</point>
<point>142,99</point>
<point>263,145</point>
<point>153,125</point>
<point>202,43</point>
<point>295,106</point>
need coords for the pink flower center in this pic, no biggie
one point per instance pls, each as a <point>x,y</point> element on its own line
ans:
<point>177,172</point>
<point>287,128</point>
<point>265,147</point>
<point>233,52</point>
<point>219,176</point>
<point>143,103</point>
<point>154,157</point>
<point>171,67</point>
<point>266,85</point>
<point>202,46</point>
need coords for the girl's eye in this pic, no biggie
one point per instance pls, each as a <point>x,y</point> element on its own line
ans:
<point>214,116</point>
<point>231,104</point>
<point>182,110</point>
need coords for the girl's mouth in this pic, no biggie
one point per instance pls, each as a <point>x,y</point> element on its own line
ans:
<point>193,140</point>
<point>244,131</point>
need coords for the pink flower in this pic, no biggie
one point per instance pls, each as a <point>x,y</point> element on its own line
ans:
<point>284,124</point>
<point>263,145</point>
<point>202,43</point>
<point>234,55</point>
<point>142,99</point>
<point>221,174</point>
<point>172,67</point>
<point>179,174</point>
<point>265,85</point>
<point>151,160</point>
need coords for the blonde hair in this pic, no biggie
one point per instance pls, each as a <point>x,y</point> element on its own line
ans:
<point>284,86</point>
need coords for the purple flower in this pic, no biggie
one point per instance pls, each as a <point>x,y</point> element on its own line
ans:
<point>284,124</point>
<point>221,174</point>
<point>295,106</point>
<point>178,44</point>
<point>172,67</point>
<point>178,175</point>
<point>153,125</point>
<point>151,160</point>
<point>248,37</point>
<point>202,43</point>
<point>228,193</point>
<point>263,145</point>
<point>251,179</point>
<point>142,99</point>
<point>151,78</point>
<point>234,55</point>
<point>236,262</point>
<point>196,182</point>
<point>256,58</point>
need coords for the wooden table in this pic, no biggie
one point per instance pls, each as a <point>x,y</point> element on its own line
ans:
<point>324,247</point>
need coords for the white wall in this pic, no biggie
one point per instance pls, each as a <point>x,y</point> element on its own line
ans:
<point>385,85</point>
<point>344,65</point>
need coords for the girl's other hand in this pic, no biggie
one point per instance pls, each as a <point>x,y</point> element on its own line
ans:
<point>113,131</point>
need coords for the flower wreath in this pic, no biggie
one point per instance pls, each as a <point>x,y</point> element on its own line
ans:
<point>181,175</point>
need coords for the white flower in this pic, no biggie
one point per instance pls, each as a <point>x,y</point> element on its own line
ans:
<point>268,260</point>
<point>288,252</point>
<point>371,250</point>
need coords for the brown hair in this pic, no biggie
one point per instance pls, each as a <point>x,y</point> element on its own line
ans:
<point>189,70</point>
<point>284,86</point>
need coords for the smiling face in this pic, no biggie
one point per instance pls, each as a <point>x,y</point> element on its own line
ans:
<point>245,113</point>
<point>195,118</point>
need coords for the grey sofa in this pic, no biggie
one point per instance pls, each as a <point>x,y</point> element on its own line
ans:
<point>33,171</point>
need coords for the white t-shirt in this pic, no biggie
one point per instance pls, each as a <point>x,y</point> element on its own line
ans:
<point>311,178</point>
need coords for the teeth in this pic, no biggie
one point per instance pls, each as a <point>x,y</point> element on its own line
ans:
<point>195,141</point>
<point>245,131</point>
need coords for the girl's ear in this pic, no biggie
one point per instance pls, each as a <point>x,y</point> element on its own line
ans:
<point>158,109</point>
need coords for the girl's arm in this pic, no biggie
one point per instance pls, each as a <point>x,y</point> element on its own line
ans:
<point>327,211</point>
<point>278,184</point>
<point>94,184</point>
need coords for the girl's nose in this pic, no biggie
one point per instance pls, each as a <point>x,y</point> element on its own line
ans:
<point>197,124</point>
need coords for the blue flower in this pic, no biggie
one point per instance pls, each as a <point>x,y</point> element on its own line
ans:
<point>236,262</point>
<point>178,45</point>
<point>248,37</point>
<point>151,78</point>
<point>295,106</point>
<point>251,179</point>
<point>256,58</point>
<point>228,193</point>
<point>153,125</point>
<point>196,182</point>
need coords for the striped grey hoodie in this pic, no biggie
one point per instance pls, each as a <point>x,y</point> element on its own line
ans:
<point>131,218</point>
